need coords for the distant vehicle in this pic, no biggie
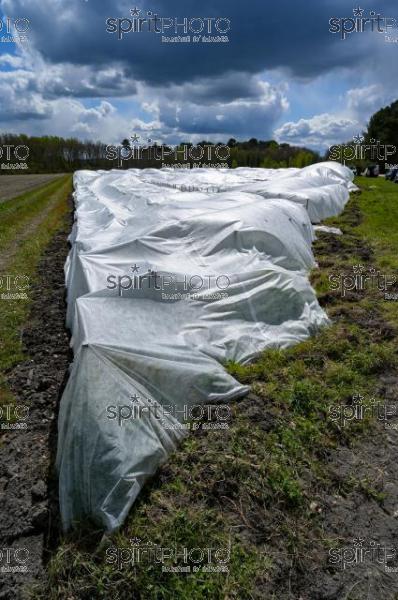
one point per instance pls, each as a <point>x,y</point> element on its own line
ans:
<point>392,174</point>
<point>372,171</point>
<point>355,170</point>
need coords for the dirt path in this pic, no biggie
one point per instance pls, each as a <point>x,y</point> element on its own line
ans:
<point>366,517</point>
<point>26,486</point>
<point>8,253</point>
<point>12,186</point>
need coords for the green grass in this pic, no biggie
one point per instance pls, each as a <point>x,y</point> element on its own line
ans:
<point>16,216</point>
<point>380,211</point>
<point>256,485</point>
<point>16,213</point>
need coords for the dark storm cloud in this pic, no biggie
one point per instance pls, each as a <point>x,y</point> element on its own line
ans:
<point>190,108</point>
<point>223,89</point>
<point>264,35</point>
<point>199,89</point>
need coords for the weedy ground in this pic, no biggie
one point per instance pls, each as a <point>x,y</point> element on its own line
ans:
<point>27,224</point>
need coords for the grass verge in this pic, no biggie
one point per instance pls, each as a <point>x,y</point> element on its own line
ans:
<point>27,224</point>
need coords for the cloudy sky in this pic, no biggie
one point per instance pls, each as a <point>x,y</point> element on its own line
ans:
<point>282,74</point>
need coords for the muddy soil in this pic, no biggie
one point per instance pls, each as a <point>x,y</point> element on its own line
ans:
<point>363,522</point>
<point>28,492</point>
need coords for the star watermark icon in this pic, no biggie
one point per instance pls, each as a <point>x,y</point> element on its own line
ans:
<point>357,399</point>
<point>358,269</point>
<point>135,541</point>
<point>358,139</point>
<point>358,12</point>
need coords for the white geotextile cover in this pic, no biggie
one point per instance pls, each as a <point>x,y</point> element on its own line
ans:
<point>225,278</point>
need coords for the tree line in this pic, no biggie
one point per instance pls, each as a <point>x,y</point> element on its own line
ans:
<point>378,145</point>
<point>53,154</point>
<point>49,154</point>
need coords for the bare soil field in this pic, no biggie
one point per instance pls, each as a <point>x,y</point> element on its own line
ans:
<point>14,185</point>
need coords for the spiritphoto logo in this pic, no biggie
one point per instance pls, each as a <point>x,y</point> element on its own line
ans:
<point>363,408</point>
<point>14,560</point>
<point>362,22</point>
<point>15,157</point>
<point>13,31</point>
<point>358,150</point>
<point>172,286</point>
<point>362,280</point>
<point>183,187</point>
<point>172,559</point>
<point>202,155</point>
<point>13,287</point>
<point>178,29</point>
<point>362,553</point>
<point>190,417</point>
<point>13,417</point>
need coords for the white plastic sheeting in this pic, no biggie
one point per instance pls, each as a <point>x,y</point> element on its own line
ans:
<point>325,229</point>
<point>165,286</point>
